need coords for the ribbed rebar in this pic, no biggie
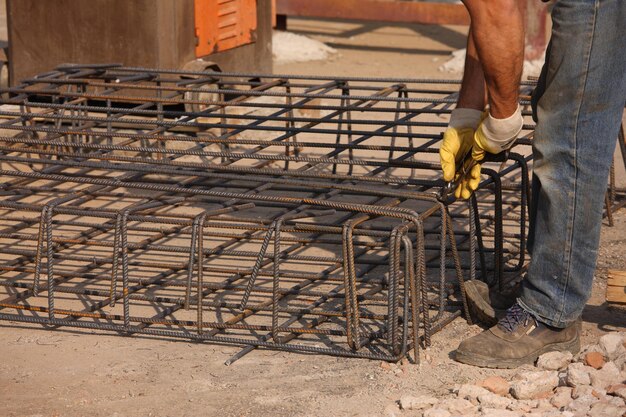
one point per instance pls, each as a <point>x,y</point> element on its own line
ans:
<point>285,212</point>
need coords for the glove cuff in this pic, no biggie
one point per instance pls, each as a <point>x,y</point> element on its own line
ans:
<point>497,135</point>
<point>465,118</point>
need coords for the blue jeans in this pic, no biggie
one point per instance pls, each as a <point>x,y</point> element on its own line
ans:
<point>578,106</point>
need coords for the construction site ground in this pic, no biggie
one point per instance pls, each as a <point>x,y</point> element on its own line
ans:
<point>72,373</point>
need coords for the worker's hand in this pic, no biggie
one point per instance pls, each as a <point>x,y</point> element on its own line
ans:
<point>491,136</point>
<point>470,172</point>
<point>456,145</point>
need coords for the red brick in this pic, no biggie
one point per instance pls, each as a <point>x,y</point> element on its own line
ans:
<point>496,384</point>
<point>594,359</point>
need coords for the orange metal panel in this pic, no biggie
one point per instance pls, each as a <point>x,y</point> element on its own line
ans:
<point>224,24</point>
<point>206,23</point>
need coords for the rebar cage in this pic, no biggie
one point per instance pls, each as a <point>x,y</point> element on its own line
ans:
<point>290,212</point>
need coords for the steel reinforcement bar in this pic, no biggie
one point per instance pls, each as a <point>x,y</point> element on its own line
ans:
<point>289,212</point>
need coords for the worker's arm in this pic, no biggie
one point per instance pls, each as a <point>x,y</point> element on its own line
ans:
<point>497,32</point>
<point>464,120</point>
<point>495,55</point>
<point>473,94</point>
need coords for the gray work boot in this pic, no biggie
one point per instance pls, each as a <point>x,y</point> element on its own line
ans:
<point>516,340</point>
<point>487,306</point>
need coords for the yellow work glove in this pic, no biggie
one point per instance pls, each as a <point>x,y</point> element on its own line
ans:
<point>492,135</point>
<point>457,143</point>
<point>458,140</point>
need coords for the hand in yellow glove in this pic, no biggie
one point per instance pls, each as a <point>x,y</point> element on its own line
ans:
<point>492,135</point>
<point>458,140</point>
<point>457,143</point>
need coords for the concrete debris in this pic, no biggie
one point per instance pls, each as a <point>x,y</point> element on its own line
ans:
<point>618,390</point>
<point>617,401</point>
<point>459,406</point>
<point>612,345</point>
<point>557,413</point>
<point>491,400</point>
<point>554,361</point>
<point>594,347</point>
<point>603,378</point>
<point>578,374</point>
<point>409,402</point>
<point>494,412</point>
<point>578,391</point>
<point>544,405</point>
<point>525,406</point>
<point>533,414</point>
<point>605,409</point>
<point>588,390</point>
<point>562,396</point>
<point>581,404</point>
<point>471,392</point>
<point>534,384</point>
<point>620,362</point>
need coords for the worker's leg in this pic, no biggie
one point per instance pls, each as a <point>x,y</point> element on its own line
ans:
<point>578,118</point>
<point>578,113</point>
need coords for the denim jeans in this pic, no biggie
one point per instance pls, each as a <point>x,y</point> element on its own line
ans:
<point>578,106</point>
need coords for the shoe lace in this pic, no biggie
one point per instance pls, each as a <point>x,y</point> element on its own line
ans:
<point>515,316</point>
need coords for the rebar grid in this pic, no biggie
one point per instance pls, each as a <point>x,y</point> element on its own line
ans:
<point>297,213</point>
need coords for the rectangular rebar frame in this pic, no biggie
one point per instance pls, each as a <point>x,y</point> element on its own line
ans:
<point>297,213</point>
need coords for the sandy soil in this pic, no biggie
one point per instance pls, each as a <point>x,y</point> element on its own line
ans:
<point>64,373</point>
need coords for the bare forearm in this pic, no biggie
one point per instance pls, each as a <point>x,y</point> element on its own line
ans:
<point>498,34</point>
<point>472,94</point>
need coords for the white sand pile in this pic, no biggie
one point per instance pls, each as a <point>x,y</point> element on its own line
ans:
<point>288,47</point>
<point>457,61</point>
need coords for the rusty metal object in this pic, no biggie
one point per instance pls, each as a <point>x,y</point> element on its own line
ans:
<point>287,212</point>
<point>386,11</point>
<point>158,34</point>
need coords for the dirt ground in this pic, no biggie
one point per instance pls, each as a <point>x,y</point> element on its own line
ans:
<point>67,373</point>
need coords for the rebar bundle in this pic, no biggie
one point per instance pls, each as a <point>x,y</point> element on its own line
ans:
<point>286,212</point>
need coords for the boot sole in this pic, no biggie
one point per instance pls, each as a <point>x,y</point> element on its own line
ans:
<point>481,310</point>
<point>572,346</point>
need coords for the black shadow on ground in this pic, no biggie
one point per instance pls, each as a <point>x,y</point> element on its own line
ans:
<point>437,33</point>
<point>607,318</point>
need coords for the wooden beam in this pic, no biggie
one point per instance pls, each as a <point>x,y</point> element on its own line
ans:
<point>616,287</point>
<point>377,10</point>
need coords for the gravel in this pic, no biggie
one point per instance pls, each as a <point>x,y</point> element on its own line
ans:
<point>582,391</point>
